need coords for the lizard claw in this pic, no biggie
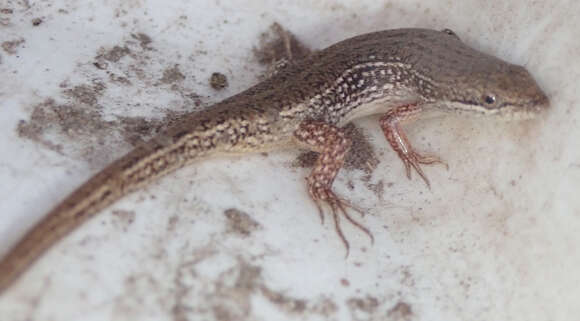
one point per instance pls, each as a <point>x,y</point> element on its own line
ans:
<point>338,208</point>
<point>415,160</point>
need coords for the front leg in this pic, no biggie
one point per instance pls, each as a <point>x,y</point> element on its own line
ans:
<point>333,145</point>
<point>391,125</point>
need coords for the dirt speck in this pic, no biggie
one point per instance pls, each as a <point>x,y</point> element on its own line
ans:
<point>144,40</point>
<point>407,277</point>
<point>5,16</point>
<point>401,312</point>
<point>277,44</point>
<point>86,94</point>
<point>223,313</point>
<point>322,306</point>
<point>123,219</point>
<point>37,21</point>
<point>100,65</point>
<point>114,54</point>
<point>240,222</point>
<point>378,189</point>
<point>248,276</point>
<point>116,78</point>
<point>287,303</point>
<point>218,81</point>
<point>172,75</point>
<point>11,46</point>
<point>367,304</point>
<point>135,286</point>
<point>172,223</point>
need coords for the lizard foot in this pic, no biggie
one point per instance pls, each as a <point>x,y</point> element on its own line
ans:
<point>391,125</point>
<point>338,206</point>
<point>414,160</point>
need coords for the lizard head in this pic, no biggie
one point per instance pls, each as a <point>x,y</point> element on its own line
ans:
<point>500,89</point>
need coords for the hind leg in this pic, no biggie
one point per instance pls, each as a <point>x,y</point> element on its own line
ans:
<point>333,145</point>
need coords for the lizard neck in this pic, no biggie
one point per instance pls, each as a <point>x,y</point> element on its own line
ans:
<point>366,88</point>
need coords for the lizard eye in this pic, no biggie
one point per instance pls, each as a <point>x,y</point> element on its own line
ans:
<point>449,32</point>
<point>489,99</point>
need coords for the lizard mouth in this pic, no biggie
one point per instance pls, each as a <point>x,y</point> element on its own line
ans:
<point>529,110</point>
<point>519,115</point>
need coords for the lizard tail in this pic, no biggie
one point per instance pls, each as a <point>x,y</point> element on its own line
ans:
<point>223,129</point>
<point>142,165</point>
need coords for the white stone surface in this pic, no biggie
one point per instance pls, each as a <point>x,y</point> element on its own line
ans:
<point>495,239</point>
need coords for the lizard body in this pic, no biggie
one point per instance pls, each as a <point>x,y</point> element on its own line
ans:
<point>397,73</point>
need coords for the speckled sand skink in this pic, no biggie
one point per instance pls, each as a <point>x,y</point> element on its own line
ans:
<point>399,74</point>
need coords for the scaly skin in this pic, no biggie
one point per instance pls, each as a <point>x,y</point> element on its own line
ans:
<point>398,73</point>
